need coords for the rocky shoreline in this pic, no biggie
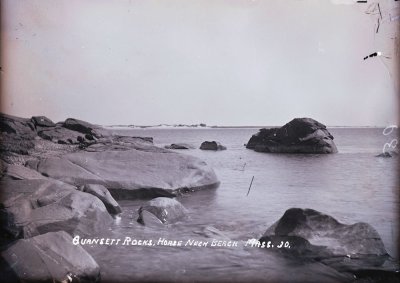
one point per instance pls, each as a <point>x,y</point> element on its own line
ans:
<point>64,179</point>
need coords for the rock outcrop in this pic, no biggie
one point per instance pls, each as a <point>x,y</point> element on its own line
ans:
<point>82,127</point>
<point>42,121</point>
<point>179,146</point>
<point>130,174</point>
<point>166,210</point>
<point>301,135</point>
<point>33,207</point>
<point>313,235</point>
<point>50,257</point>
<point>212,145</point>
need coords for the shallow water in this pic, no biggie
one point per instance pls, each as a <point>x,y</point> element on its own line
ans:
<point>351,186</point>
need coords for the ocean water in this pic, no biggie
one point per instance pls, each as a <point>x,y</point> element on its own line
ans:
<point>352,186</point>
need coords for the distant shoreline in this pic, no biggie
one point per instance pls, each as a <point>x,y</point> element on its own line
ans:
<point>167,127</point>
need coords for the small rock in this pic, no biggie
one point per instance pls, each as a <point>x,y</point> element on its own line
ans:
<point>179,146</point>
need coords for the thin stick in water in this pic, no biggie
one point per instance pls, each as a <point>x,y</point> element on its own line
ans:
<point>250,186</point>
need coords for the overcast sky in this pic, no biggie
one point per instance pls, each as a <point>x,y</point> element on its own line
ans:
<point>218,62</point>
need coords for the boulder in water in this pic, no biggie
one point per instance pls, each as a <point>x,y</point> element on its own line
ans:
<point>301,135</point>
<point>167,210</point>
<point>310,234</point>
<point>212,145</point>
<point>179,146</point>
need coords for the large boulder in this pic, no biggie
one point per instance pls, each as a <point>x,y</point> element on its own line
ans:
<point>50,257</point>
<point>32,207</point>
<point>301,135</point>
<point>130,174</point>
<point>104,195</point>
<point>166,210</point>
<point>82,127</point>
<point>310,234</point>
<point>42,121</point>
<point>212,145</point>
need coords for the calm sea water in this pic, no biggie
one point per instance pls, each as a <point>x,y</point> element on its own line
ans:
<point>352,186</point>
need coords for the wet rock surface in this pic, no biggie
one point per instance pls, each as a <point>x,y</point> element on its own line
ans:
<point>50,257</point>
<point>301,135</point>
<point>166,210</point>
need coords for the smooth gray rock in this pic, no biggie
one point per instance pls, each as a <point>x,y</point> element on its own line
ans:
<point>212,145</point>
<point>33,207</point>
<point>144,172</point>
<point>301,135</point>
<point>20,172</point>
<point>104,195</point>
<point>50,257</point>
<point>166,210</point>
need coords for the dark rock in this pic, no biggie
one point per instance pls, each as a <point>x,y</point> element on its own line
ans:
<point>41,206</point>
<point>179,146</point>
<point>60,135</point>
<point>82,127</point>
<point>16,125</point>
<point>387,154</point>
<point>50,257</point>
<point>301,135</point>
<point>317,236</point>
<point>104,195</point>
<point>130,173</point>
<point>42,121</point>
<point>166,210</point>
<point>80,139</point>
<point>212,145</point>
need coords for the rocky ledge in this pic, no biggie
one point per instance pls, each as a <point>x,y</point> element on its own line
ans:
<point>301,135</point>
<point>61,179</point>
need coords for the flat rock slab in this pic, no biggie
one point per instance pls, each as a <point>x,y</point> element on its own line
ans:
<point>20,172</point>
<point>48,258</point>
<point>33,207</point>
<point>131,173</point>
<point>180,146</point>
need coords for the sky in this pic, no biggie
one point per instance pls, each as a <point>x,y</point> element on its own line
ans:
<point>219,62</point>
